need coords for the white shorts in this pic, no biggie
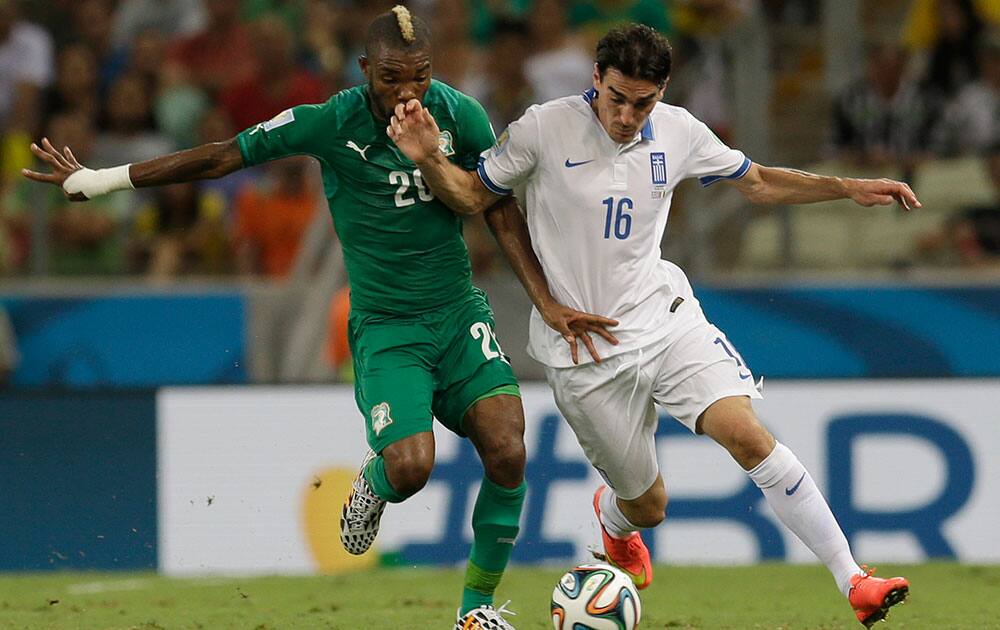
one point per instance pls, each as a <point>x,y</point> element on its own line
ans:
<point>610,406</point>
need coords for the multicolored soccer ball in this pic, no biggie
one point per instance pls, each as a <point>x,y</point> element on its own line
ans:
<point>595,597</point>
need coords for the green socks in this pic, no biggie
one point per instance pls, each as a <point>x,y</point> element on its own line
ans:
<point>495,524</point>
<point>379,482</point>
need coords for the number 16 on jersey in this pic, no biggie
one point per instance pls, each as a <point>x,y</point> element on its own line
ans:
<point>622,221</point>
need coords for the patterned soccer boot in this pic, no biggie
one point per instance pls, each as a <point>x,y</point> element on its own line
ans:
<point>628,554</point>
<point>361,514</point>
<point>872,597</point>
<point>484,618</point>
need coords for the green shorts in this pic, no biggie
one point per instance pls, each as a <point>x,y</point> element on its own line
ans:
<point>411,369</point>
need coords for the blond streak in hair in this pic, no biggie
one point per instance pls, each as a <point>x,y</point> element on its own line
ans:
<point>405,23</point>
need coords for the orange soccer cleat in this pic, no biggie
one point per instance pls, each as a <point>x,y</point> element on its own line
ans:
<point>872,597</point>
<point>628,554</point>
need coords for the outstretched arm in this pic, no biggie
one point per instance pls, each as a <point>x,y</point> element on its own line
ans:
<point>208,161</point>
<point>508,226</point>
<point>415,132</point>
<point>769,185</point>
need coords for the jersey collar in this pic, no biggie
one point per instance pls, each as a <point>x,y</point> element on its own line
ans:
<point>646,133</point>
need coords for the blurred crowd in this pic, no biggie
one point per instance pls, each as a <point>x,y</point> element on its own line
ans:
<point>932,93</point>
<point>126,80</point>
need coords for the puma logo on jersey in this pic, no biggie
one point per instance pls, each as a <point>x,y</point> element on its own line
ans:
<point>355,147</point>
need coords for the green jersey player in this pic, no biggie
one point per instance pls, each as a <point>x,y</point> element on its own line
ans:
<point>422,336</point>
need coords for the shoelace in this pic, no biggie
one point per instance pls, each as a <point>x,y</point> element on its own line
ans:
<point>504,611</point>
<point>868,572</point>
<point>360,508</point>
<point>637,364</point>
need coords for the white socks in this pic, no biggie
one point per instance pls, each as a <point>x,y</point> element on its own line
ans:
<point>614,521</point>
<point>794,497</point>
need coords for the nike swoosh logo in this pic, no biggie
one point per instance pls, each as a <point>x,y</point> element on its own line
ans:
<point>575,164</point>
<point>791,491</point>
<point>743,376</point>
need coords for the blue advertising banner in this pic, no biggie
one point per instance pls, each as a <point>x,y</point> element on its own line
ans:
<point>877,332</point>
<point>78,481</point>
<point>129,341</point>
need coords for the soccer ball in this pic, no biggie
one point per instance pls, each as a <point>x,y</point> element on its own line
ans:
<point>595,597</point>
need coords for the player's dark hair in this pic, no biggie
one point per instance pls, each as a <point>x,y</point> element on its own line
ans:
<point>637,51</point>
<point>397,29</point>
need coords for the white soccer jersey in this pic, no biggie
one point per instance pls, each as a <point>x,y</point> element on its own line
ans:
<point>596,211</point>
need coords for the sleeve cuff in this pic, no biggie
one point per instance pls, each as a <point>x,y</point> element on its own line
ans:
<point>489,183</point>
<point>740,172</point>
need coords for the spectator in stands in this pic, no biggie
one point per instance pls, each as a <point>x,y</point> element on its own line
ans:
<point>945,46</point>
<point>92,27</point>
<point>559,65</point>
<point>222,54</point>
<point>594,18</point>
<point>26,69</point>
<point>76,86</point>
<point>9,357</point>
<point>170,18</point>
<point>292,13</point>
<point>456,60</point>
<point>486,13</point>
<point>971,237</point>
<point>82,239</point>
<point>279,83</point>
<point>922,24</point>
<point>130,135</point>
<point>953,59</point>
<point>321,41</point>
<point>884,119</point>
<point>179,105</point>
<point>272,221</point>
<point>507,92</point>
<point>181,232</point>
<point>147,52</point>
<point>701,81</point>
<point>971,122</point>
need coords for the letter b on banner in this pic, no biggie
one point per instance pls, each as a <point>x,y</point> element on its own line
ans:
<point>926,522</point>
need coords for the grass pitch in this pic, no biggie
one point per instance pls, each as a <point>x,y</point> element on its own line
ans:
<point>766,596</point>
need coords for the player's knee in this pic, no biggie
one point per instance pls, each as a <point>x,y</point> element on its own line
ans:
<point>504,464</point>
<point>408,474</point>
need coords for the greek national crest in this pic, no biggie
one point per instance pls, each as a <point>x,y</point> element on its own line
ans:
<point>445,143</point>
<point>380,417</point>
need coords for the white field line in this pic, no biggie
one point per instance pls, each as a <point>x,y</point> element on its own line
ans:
<point>138,584</point>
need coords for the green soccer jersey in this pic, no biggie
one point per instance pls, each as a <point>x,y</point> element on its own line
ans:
<point>403,248</point>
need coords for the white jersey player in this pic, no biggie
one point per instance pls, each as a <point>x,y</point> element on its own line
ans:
<point>596,174</point>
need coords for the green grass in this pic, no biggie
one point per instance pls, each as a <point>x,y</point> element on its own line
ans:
<point>766,596</point>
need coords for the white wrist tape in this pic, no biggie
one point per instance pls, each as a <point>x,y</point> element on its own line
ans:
<point>100,182</point>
